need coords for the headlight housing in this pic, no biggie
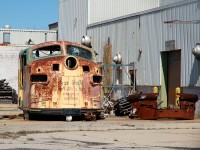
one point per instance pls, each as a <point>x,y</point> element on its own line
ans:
<point>71,62</point>
<point>196,51</point>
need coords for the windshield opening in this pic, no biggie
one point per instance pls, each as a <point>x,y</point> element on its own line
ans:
<point>47,51</point>
<point>79,52</point>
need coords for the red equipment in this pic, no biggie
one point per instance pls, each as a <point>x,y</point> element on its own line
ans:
<point>146,107</point>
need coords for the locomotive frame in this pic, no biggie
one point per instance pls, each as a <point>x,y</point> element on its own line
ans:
<point>59,78</point>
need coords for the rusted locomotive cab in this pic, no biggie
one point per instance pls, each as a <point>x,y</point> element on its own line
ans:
<point>59,78</point>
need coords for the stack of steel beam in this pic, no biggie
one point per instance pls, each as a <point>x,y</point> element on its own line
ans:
<point>7,93</point>
<point>122,107</point>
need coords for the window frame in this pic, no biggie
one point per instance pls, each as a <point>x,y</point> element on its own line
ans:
<point>91,58</point>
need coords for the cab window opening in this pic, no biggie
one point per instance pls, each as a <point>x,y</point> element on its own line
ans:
<point>47,51</point>
<point>79,52</point>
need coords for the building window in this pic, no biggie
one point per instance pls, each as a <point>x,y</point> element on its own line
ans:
<point>6,38</point>
<point>45,36</point>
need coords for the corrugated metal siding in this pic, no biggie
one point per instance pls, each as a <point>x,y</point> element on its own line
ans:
<point>123,38</point>
<point>118,33</point>
<point>151,37</point>
<point>72,19</point>
<point>9,64</point>
<point>126,37</point>
<point>186,36</point>
<point>151,43</point>
<point>167,2</point>
<point>20,37</point>
<point>101,10</point>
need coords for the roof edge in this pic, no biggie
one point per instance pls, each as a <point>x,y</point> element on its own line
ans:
<point>28,30</point>
<point>141,13</point>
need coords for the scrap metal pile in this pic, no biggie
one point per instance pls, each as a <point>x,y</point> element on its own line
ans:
<point>7,93</point>
<point>122,107</point>
<point>145,107</point>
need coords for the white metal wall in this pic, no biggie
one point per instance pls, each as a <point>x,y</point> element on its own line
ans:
<point>186,36</point>
<point>123,38</point>
<point>20,37</point>
<point>145,31</point>
<point>118,32</point>
<point>166,2</point>
<point>101,10</point>
<point>72,19</point>
<point>9,64</point>
<point>148,32</point>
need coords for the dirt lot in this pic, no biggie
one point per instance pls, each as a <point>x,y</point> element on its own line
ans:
<point>115,133</point>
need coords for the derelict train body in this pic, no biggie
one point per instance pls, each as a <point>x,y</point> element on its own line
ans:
<point>59,78</point>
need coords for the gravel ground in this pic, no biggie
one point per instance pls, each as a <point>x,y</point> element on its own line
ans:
<point>115,133</point>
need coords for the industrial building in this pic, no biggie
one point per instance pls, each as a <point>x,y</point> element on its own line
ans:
<point>12,41</point>
<point>156,35</point>
<point>25,37</point>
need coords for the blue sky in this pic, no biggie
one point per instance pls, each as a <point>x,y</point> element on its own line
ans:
<point>28,14</point>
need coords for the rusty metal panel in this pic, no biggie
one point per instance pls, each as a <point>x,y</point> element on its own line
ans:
<point>146,107</point>
<point>61,79</point>
<point>175,114</point>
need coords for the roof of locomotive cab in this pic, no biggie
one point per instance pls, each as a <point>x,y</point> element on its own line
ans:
<point>59,43</point>
<point>50,43</point>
